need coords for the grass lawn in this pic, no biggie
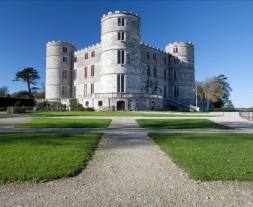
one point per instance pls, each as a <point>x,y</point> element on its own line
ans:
<point>119,113</point>
<point>44,156</point>
<point>179,124</point>
<point>66,123</point>
<point>210,157</point>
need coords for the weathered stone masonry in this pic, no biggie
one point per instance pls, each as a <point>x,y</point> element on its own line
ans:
<point>121,72</point>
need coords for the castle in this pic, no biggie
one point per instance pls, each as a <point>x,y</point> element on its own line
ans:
<point>121,72</point>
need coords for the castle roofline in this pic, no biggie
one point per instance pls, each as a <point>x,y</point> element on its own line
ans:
<point>121,12</point>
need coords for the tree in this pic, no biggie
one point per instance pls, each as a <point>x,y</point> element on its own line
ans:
<point>20,94</point>
<point>4,91</point>
<point>216,89</point>
<point>30,76</point>
<point>75,105</point>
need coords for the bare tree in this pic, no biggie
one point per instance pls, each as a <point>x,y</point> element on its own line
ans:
<point>4,91</point>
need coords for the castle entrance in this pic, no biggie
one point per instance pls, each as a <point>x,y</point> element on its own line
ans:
<point>121,106</point>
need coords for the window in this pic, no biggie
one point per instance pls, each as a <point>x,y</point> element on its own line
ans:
<point>64,49</point>
<point>74,92</point>
<point>148,55</point>
<point>64,90</point>
<point>85,89</point>
<point>65,59</point>
<point>75,74</point>
<point>165,92</point>
<point>148,70</point>
<point>165,74</point>
<point>176,92</point>
<point>174,75</point>
<point>92,70</point>
<point>64,74</point>
<point>93,54</point>
<point>121,57</point>
<point>154,56</point>
<point>175,60</point>
<point>121,35</point>
<point>92,88</point>
<point>120,83</point>
<point>100,103</point>
<point>86,55</point>
<point>75,59</point>
<point>175,50</point>
<point>85,72</point>
<point>121,22</point>
<point>86,103</point>
<point>164,59</point>
<point>154,71</point>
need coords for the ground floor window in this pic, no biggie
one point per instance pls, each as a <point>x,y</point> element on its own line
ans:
<point>100,103</point>
<point>86,103</point>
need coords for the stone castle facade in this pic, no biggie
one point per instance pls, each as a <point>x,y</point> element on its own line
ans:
<point>121,72</point>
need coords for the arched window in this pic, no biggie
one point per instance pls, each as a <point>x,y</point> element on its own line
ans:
<point>100,103</point>
<point>86,103</point>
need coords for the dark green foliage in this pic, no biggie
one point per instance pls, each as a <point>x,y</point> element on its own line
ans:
<point>4,101</point>
<point>3,109</point>
<point>18,103</point>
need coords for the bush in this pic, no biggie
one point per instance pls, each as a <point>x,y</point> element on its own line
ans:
<point>18,103</point>
<point>3,109</point>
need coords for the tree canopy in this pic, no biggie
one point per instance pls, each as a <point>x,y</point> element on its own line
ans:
<point>216,89</point>
<point>30,76</point>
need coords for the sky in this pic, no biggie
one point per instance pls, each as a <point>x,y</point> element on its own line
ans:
<point>222,33</point>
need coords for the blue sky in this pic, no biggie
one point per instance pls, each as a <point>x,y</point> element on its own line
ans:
<point>222,32</point>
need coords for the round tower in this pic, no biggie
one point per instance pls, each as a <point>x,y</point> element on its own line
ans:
<point>120,52</point>
<point>59,66</point>
<point>182,73</point>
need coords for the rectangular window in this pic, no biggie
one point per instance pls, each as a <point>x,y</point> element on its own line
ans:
<point>92,70</point>
<point>121,35</point>
<point>65,59</point>
<point>176,92</point>
<point>120,83</point>
<point>64,90</point>
<point>148,55</point>
<point>154,56</point>
<point>64,49</point>
<point>155,72</point>
<point>165,92</point>
<point>121,22</point>
<point>85,72</point>
<point>86,55</point>
<point>64,74</point>
<point>74,92</point>
<point>85,89</point>
<point>175,50</point>
<point>75,59</point>
<point>93,54</point>
<point>75,74</point>
<point>165,74</point>
<point>174,75</point>
<point>100,103</point>
<point>121,57</point>
<point>164,59</point>
<point>148,70</point>
<point>92,88</point>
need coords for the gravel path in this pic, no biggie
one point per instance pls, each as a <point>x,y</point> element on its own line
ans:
<point>128,169</point>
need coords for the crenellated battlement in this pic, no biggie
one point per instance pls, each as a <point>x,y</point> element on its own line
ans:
<point>92,47</point>
<point>57,42</point>
<point>151,47</point>
<point>180,43</point>
<point>121,12</point>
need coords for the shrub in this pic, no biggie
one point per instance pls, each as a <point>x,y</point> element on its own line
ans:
<point>3,109</point>
<point>18,103</point>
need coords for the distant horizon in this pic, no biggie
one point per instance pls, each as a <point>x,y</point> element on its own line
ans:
<point>219,30</point>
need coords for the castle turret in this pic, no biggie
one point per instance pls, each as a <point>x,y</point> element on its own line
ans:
<point>182,73</point>
<point>120,52</point>
<point>59,67</point>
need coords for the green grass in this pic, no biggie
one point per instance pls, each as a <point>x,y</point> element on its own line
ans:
<point>119,113</point>
<point>65,123</point>
<point>210,157</point>
<point>44,156</point>
<point>179,124</point>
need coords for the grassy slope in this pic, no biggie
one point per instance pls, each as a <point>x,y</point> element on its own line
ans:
<point>210,157</point>
<point>44,156</point>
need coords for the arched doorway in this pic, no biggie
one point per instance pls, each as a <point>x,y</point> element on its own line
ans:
<point>121,106</point>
